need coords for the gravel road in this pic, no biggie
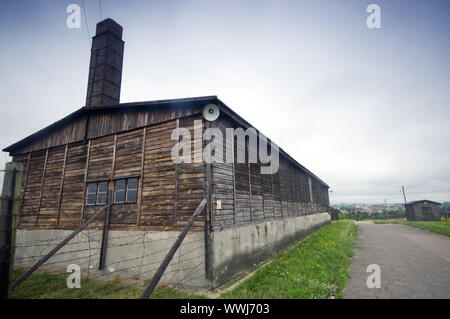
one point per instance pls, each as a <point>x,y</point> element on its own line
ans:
<point>413,263</point>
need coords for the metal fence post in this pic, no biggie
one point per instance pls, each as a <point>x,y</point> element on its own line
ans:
<point>38,264</point>
<point>102,262</point>
<point>160,271</point>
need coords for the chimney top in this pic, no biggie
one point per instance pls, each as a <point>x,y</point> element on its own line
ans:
<point>105,68</point>
<point>111,26</point>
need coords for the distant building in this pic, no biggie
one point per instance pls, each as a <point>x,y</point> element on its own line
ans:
<point>422,210</point>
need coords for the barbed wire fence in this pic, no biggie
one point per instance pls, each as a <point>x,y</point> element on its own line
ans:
<point>174,258</point>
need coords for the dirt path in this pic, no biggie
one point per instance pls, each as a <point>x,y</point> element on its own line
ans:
<point>413,263</point>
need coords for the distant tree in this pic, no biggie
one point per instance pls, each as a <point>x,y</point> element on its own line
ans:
<point>334,213</point>
<point>445,210</point>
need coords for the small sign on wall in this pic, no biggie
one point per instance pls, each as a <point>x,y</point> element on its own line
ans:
<point>219,204</point>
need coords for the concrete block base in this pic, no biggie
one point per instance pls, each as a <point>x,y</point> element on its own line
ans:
<point>237,250</point>
<point>138,254</point>
<point>130,254</point>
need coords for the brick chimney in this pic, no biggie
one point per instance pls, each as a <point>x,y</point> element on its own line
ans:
<point>105,69</point>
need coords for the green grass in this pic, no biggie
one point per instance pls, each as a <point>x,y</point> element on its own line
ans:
<point>45,285</point>
<point>386,221</point>
<point>440,227</point>
<point>315,267</point>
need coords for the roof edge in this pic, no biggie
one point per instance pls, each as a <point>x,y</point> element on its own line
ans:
<point>84,110</point>
<point>227,110</point>
<point>420,201</point>
<point>29,138</point>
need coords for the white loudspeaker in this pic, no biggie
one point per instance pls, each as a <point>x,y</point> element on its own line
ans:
<point>211,112</point>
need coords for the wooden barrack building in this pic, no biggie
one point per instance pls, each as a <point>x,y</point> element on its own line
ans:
<point>125,148</point>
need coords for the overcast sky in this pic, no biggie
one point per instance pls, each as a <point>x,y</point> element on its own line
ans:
<point>367,110</point>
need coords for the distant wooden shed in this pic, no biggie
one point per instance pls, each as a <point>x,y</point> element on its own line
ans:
<point>424,210</point>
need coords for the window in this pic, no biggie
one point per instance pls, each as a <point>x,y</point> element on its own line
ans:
<point>126,190</point>
<point>97,193</point>
<point>102,192</point>
<point>119,195</point>
<point>91,194</point>
<point>132,186</point>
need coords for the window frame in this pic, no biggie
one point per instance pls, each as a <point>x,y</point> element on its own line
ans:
<point>126,190</point>
<point>98,193</point>
<point>87,194</point>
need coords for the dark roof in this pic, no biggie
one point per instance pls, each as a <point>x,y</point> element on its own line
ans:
<point>82,111</point>
<point>421,201</point>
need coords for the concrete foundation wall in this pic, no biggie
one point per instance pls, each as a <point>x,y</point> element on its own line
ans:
<point>137,254</point>
<point>130,254</point>
<point>236,250</point>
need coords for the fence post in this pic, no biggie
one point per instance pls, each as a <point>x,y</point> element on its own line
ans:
<point>102,262</point>
<point>208,224</point>
<point>160,271</point>
<point>25,275</point>
<point>9,209</point>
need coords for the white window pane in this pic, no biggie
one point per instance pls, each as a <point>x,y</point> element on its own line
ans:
<point>119,191</point>
<point>101,198</point>
<point>131,195</point>
<point>102,187</point>
<point>120,185</point>
<point>132,183</point>
<point>90,200</point>
<point>119,197</point>
<point>92,188</point>
<point>102,192</point>
<point>91,194</point>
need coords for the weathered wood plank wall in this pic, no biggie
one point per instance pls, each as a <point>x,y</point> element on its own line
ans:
<point>423,211</point>
<point>56,178</point>
<point>72,198</point>
<point>55,187</point>
<point>191,177</point>
<point>223,184</point>
<point>158,195</point>
<point>33,188</point>
<point>247,196</point>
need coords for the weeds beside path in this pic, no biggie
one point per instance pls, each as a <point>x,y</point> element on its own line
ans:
<point>440,227</point>
<point>315,267</point>
<point>46,285</point>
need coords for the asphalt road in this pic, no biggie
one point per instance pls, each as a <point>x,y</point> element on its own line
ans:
<point>413,263</point>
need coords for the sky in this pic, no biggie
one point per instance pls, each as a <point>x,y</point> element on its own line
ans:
<point>367,110</point>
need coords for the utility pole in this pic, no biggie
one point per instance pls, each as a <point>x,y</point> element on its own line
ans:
<point>404,197</point>
<point>403,190</point>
